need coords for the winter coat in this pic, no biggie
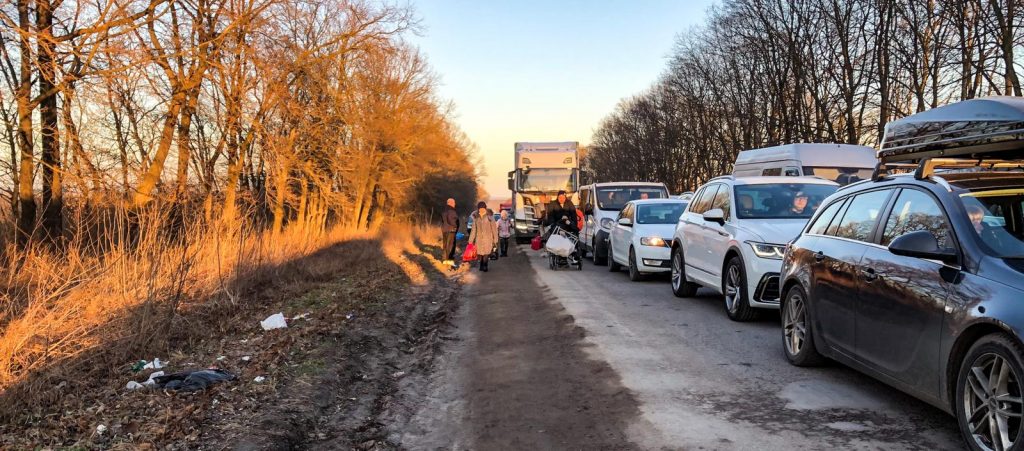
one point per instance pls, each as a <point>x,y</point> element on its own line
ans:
<point>504,228</point>
<point>484,234</point>
<point>449,219</point>
<point>556,211</point>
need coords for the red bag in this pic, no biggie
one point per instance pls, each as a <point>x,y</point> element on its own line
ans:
<point>535,243</point>
<point>470,253</point>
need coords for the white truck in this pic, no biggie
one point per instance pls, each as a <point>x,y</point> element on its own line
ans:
<point>540,168</point>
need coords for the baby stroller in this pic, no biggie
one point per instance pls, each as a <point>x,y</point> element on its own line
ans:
<point>563,249</point>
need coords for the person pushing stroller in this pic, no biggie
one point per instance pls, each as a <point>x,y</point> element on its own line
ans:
<point>561,213</point>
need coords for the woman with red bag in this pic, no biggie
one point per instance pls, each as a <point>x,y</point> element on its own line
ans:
<point>484,236</point>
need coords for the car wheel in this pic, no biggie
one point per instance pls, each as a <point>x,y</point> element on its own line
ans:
<point>797,340</point>
<point>599,260</point>
<point>988,394</point>
<point>612,266</point>
<point>680,286</point>
<point>634,272</point>
<point>734,288</point>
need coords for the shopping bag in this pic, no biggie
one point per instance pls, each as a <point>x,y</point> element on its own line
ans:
<point>535,243</point>
<point>470,253</point>
<point>560,245</point>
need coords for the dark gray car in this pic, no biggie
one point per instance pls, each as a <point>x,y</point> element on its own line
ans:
<point>918,281</point>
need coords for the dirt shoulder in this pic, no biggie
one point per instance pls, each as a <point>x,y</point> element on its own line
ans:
<point>363,316</point>
<point>518,376</point>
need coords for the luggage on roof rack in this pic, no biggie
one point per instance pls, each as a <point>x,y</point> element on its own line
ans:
<point>978,132</point>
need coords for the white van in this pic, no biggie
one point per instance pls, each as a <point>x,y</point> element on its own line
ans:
<point>601,203</point>
<point>840,163</point>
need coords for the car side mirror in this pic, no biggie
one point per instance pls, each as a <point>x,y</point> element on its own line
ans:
<point>588,209</point>
<point>922,244</point>
<point>626,222</point>
<point>715,215</point>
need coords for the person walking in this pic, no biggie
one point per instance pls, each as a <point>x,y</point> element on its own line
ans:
<point>484,235</point>
<point>504,233</point>
<point>561,208</point>
<point>449,228</point>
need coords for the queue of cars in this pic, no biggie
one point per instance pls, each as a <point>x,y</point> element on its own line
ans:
<point>915,279</point>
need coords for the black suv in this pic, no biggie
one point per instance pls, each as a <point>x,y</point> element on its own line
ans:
<point>918,279</point>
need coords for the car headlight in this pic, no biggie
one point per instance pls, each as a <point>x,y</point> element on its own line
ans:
<point>655,241</point>
<point>768,250</point>
<point>606,223</point>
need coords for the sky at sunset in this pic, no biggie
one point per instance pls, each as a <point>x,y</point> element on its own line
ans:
<point>544,70</point>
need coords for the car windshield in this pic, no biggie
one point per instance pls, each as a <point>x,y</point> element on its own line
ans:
<point>841,175</point>
<point>996,217</point>
<point>660,213</point>
<point>547,180</point>
<point>615,197</point>
<point>780,200</point>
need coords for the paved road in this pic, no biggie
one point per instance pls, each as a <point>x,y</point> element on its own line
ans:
<point>703,381</point>
<point>543,359</point>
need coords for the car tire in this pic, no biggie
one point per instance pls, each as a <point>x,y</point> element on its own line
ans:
<point>600,260</point>
<point>612,266</point>
<point>995,354</point>
<point>734,292</point>
<point>680,286</point>
<point>634,271</point>
<point>797,337</point>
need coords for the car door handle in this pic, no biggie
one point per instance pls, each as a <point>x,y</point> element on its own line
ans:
<point>870,274</point>
<point>819,256</point>
<point>722,233</point>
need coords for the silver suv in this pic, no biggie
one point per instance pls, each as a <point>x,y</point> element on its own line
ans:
<point>733,234</point>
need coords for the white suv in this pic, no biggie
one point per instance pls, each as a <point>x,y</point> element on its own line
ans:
<point>733,234</point>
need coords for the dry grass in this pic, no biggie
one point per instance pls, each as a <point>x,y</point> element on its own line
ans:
<point>98,304</point>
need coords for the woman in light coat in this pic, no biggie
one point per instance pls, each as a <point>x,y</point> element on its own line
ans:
<point>484,235</point>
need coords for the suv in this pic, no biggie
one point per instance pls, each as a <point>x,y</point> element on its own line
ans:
<point>732,236</point>
<point>918,279</point>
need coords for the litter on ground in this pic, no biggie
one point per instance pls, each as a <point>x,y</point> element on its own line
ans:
<point>275,321</point>
<point>190,381</point>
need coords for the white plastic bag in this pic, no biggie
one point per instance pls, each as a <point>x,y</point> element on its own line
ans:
<point>559,245</point>
<point>275,321</point>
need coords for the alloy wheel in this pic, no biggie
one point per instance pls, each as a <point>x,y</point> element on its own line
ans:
<point>732,287</point>
<point>795,324</point>
<point>677,270</point>
<point>992,403</point>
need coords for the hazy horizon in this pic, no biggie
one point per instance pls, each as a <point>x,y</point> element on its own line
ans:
<point>534,71</point>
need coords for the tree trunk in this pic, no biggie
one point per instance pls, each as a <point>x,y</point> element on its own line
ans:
<point>27,209</point>
<point>144,192</point>
<point>52,194</point>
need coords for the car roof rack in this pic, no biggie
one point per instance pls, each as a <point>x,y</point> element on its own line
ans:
<point>978,133</point>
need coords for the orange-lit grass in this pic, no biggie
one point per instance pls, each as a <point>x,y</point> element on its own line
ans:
<point>100,303</point>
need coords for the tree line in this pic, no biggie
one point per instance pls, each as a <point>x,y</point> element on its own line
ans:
<point>265,112</point>
<point>769,72</point>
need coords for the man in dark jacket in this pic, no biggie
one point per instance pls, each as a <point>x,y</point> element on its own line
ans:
<point>449,227</point>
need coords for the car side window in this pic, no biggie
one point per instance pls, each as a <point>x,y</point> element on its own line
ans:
<point>584,198</point>
<point>862,215</point>
<point>915,210</point>
<point>721,200</point>
<point>693,200</point>
<point>704,203</point>
<point>771,172</point>
<point>792,171</point>
<point>825,218</point>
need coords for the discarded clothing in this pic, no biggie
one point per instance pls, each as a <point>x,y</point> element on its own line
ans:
<point>190,381</point>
